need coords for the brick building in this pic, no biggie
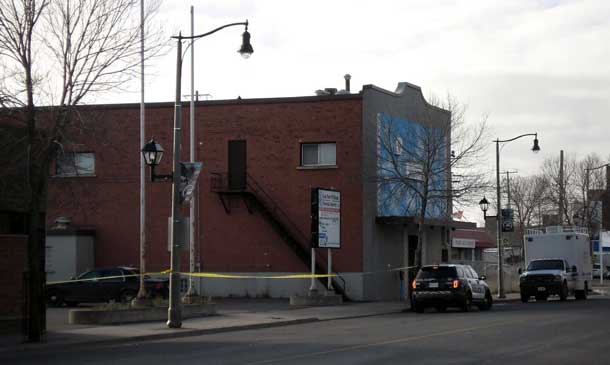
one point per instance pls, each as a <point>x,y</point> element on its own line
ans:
<point>261,158</point>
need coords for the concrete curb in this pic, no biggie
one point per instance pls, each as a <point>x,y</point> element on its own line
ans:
<point>58,347</point>
<point>160,336</point>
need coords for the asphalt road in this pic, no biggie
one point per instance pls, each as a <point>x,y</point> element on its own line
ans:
<point>572,332</point>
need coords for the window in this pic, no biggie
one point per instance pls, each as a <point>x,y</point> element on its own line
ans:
<point>115,275</point>
<point>89,275</point>
<point>398,146</point>
<point>318,154</point>
<point>436,272</point>
<point>75,164</point>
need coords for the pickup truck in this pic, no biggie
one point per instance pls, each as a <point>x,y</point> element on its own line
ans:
<point>546,277</point>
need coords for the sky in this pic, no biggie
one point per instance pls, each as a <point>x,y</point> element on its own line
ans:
<point>529,65</point>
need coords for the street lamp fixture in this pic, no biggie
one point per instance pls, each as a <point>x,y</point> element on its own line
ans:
<point>153,152</point>
<point>484,204</point>
<point>246,48</point>
<point>535,149</point>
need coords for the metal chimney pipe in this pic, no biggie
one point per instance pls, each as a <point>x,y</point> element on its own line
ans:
<point>347,78</point>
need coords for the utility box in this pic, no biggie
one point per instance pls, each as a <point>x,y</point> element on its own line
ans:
<point>70,250</point>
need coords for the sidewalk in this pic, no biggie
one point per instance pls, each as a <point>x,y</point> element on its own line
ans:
<point>233,315</point>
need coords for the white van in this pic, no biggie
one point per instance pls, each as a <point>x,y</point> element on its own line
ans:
<point>558,263</point>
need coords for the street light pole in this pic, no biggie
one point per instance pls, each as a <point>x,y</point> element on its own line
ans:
<point>499,224</point>
<point>536,148</point>
<point>174,311</point>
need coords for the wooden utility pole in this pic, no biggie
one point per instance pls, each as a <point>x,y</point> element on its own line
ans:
<point>561,190</point>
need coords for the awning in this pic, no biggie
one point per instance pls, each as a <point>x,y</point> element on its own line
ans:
<point>481,238</point>
<point>400,220</point>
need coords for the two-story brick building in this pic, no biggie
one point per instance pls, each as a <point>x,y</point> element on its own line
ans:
<point>261,158</point>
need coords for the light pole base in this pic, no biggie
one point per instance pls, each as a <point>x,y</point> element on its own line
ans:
<point>174,318</point>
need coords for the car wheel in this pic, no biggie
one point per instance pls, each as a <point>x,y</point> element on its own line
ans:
<point>55,298</point>
<point>488,302</point>
<point>417,307</point>
<point>582,294</point>
<point>525,298</point>
<point>467,303</point>
<point>127,296</point>
<point>564,292</point>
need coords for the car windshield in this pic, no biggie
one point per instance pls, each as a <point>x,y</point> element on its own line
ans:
<point>437,272</point>
<point>545,265</point>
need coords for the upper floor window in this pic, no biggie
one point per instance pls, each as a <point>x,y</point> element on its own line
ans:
<point>398,146</point>
<point>75,164</point>
<point>318,154</point>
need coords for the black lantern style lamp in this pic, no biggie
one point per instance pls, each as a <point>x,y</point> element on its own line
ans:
<point>153,153</point>
<point>484,204</point>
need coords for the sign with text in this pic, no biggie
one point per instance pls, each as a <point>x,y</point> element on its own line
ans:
<point>463,243</point>
<point>325,218</point>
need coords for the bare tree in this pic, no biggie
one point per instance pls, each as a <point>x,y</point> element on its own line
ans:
<point>527,194</point>
<point>416,162</point>
<point>588,177</point>
<point>59,53</point>
<point>561,188</point>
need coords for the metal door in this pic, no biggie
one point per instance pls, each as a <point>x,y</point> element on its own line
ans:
<point>237,165</point>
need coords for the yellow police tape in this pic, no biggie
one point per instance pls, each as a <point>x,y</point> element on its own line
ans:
<point>230,276</point>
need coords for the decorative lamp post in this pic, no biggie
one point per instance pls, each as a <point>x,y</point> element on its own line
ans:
<point>535,149</point>
<point>153,153</point>
<point>484,204</point>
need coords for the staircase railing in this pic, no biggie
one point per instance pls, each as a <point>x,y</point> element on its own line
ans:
<point>219,183</point>
<point>292,228</point>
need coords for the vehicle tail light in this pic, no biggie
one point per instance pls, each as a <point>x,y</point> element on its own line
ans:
<point>414,284</point>
<point>159,286</point>
<point>456,284</point>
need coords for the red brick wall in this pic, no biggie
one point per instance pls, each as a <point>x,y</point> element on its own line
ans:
<point>238,241</point>
<point>13,262</point>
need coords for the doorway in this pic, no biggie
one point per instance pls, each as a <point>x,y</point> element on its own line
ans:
<point>237,165</point>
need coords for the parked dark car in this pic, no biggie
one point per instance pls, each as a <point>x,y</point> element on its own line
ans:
<point>448,285</point>
<point>120,284</point>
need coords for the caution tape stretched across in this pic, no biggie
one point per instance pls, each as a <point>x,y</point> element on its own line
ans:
<point>211,275</point>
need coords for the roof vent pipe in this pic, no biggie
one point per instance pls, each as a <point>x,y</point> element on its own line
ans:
<point>347,78</point>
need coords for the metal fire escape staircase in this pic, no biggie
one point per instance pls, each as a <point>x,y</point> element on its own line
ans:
<point>256,198</point>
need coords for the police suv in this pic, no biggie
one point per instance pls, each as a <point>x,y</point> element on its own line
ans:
<point>449,285</point>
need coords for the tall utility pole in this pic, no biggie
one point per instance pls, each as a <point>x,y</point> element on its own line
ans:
<point>142,294</point>
<point>508,185</point>
<point>561,190</point>
<point>192,246</point>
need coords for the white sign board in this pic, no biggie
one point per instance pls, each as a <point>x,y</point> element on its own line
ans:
<point>329,219</point>
<point>463,243</point>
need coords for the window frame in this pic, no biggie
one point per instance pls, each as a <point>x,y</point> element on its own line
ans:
<point>75,170</point>
<point>319,157</point>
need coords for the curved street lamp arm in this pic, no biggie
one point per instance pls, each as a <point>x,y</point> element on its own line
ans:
<point>512,139</point>
<point>181,37</point>
<point>598,167</point>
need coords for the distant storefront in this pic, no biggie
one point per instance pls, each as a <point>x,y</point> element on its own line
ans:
<point>468,244</point>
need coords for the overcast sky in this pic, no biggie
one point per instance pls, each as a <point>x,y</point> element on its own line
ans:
<point>532,66</point>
